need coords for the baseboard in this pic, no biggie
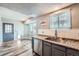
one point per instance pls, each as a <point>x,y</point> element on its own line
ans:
<point>26,38</point>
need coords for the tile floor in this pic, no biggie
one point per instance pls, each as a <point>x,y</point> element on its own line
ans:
<point>24,50</point>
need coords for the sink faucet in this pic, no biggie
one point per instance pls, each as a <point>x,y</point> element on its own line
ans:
<point>56,33</point>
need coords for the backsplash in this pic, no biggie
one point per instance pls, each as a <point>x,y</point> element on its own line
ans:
<point>48,32</point>
<point>64,33</point>
<point>68,33</point>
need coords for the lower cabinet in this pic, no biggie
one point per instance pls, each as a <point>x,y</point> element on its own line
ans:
<point>46,49</point>
<point>53,51</point>
<point>72,52</point>
<point>59,53</point>
<point>58,50</point>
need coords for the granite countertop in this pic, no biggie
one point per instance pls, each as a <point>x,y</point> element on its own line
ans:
<point>62,43</point>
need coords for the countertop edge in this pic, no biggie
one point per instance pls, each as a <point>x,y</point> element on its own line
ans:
<point>65,45</point>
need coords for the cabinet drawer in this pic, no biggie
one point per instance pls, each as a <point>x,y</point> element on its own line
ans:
<point>58,47</point>
<point>72,52</point>
<point>47,43</point>
<point>59,53</point>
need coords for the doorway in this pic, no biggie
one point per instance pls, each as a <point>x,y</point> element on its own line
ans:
<point>8,32</point>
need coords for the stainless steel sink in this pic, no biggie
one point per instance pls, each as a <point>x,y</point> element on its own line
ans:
<point>53,39</point>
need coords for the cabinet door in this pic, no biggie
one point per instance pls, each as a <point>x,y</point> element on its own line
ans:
<point>59,53</point>
<point>72,52</point>
<point>47,50</point>
<point>53,52</point>
<point>59,47</point>
<point>58,50</point>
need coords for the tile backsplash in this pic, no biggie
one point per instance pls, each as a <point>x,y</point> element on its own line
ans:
<point>65,33</point>
<point>48,32</point>
<point>68,33</point>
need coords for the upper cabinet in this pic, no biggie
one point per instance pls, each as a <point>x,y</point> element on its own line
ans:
<point>61,20</point>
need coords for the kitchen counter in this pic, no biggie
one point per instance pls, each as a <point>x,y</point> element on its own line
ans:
<point>71,44</point>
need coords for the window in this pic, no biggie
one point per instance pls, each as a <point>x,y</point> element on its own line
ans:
<point>64,20</point>
<point>60,21</point>
<point>33,28</point>
<point>8,28</point>
<point>54,22</point>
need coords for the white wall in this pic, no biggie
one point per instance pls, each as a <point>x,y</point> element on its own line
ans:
<point>26,30</point>
<point>10,16</point>
<point>4,12</point>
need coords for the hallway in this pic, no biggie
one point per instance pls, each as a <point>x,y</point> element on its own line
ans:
<point>25,50</point>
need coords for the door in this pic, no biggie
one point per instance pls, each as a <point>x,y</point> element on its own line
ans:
<point>47,49</point>
<point>8,32</point>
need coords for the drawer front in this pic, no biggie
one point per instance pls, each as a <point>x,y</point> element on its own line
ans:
<point>59,53</point>
<point>47,43</point>
<point>72,52</point>
<point>58,47</point>
<point>69,54</point>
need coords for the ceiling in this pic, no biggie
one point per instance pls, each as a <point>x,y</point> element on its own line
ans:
<point>33,9</point>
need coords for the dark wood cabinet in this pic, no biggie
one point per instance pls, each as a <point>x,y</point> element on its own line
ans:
<point>59,53</point>
<point>46,49</point>
<point>53,51</point>
<point>59,47</point>
<point>72,52</point>
<point>58,50</point>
